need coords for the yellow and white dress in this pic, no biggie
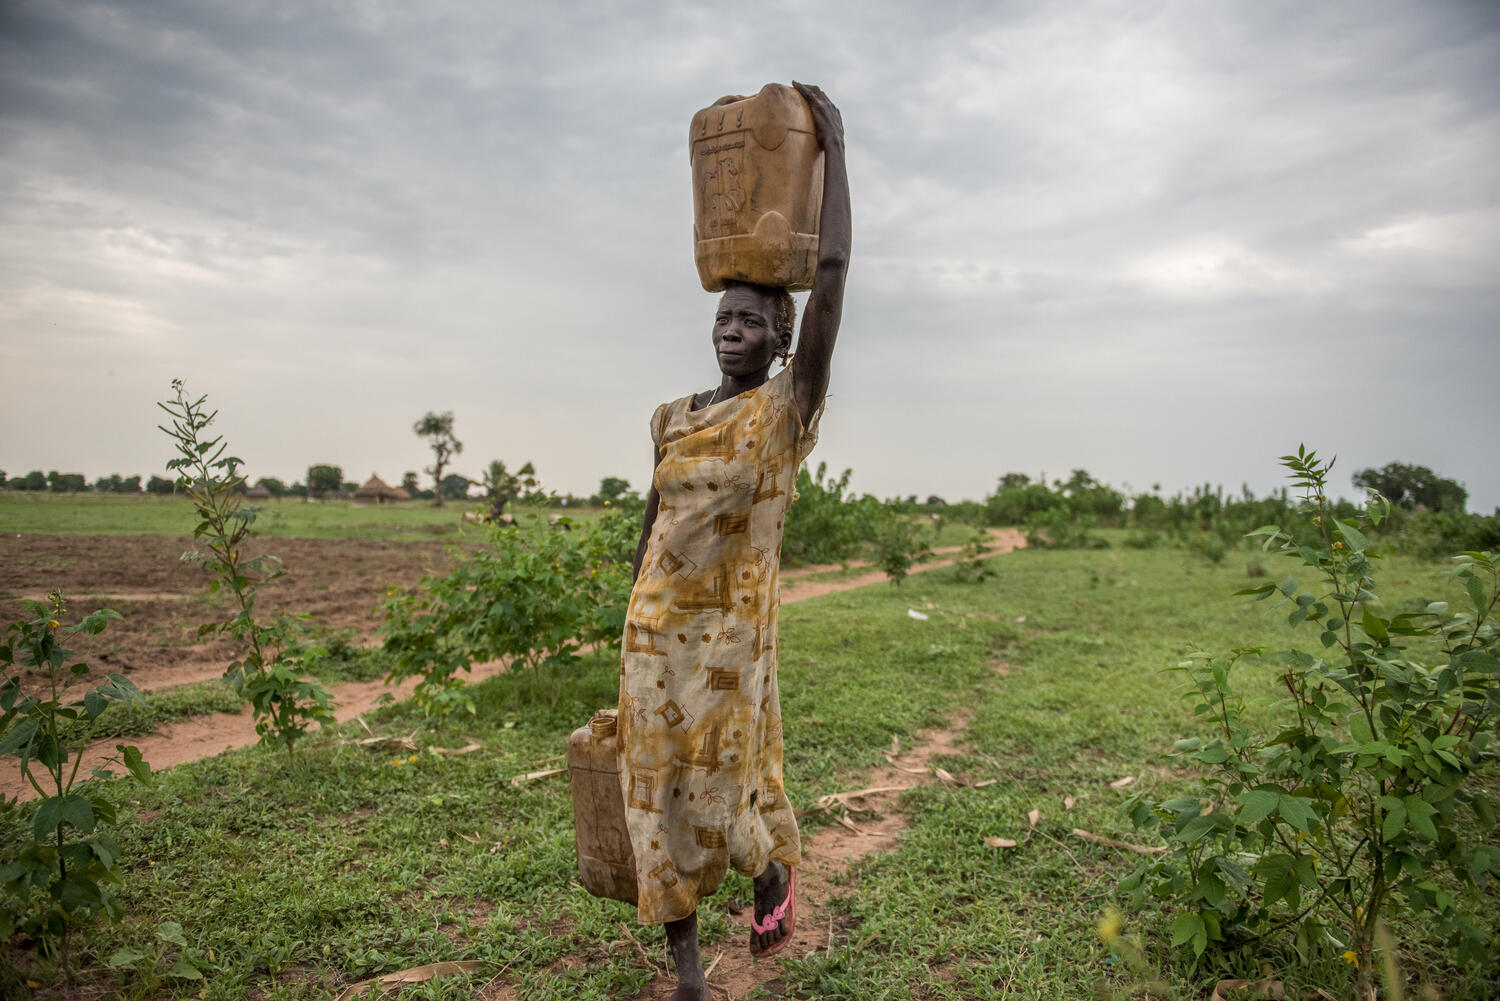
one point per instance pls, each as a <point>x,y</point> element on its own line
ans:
<point>700,717</point>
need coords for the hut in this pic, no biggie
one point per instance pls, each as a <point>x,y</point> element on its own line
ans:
<point>258,492</point>
<point>378,491</point>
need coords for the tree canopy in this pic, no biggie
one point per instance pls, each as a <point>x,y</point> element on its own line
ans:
<point>1413,486</point>
<point>437,428</point>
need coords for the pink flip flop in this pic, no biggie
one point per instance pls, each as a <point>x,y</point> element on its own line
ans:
<point>787,910</point>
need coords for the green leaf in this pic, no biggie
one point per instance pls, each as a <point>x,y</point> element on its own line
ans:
<point>47,817</point>
<point>1185,927</point>
<point>1297,811</point>
<point>1351,536</point>
<point>1475,587</point>
<point>135,764</point>
<point>1195,829</point>
<point>19,736</point>
<point>1395,818</point>
<point>124,959</point>
<point>76,810</point>
<point>171,931</point>
<point>1257,804</point>
<point>78,891</point>
<point>1420,813</point>
<point>1374,626</point>
<point>185,970</point>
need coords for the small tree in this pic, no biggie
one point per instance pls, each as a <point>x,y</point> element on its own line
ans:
<point>159,485</point>
<point>438,430</point>
<point>502,486</point>
<point>456,486</point>
<point>285,705</point>
<point>324,480</point>
<point>1413,486</point>
<point>273,486</point>
<point>611,489</point>
<point>409,483</point>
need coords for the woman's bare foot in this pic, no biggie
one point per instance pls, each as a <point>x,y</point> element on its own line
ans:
<point>682,936</point>
<point>770,891</point>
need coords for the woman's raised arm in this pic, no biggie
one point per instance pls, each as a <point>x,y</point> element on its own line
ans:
<point>825,306</point>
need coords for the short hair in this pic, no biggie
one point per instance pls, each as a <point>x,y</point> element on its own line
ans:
<point>785,319</point>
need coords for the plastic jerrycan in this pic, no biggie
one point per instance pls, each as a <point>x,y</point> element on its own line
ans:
<point>606,861</point>
<point>757,190</point>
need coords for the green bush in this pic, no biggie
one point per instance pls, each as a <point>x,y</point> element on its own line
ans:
<point>900,544</point>
<point>824,525</point>
<point>1362,805</point>
<point>66,870</point>
<point>1059,528</point>
<point>534,598</point>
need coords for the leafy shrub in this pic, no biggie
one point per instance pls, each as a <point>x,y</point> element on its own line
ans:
<point>1143,540</point>
<point>1436,534</point>
<point>900,544</point>
<point>534,598</point>
<point>65,873</point>
<point>1208,545</point>
<point>824,525</point>
<point>1059,528</point>
<point>974,567</point>
<point>1017,501</point>
<point>1346,815</point>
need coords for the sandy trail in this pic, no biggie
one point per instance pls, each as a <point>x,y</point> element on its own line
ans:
<point>205,736</point>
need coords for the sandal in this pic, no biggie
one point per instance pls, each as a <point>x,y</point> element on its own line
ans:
<point>787,910</point>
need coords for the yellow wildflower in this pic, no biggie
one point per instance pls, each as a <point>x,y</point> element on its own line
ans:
<point>412,759</point>
<point>53,623</point>
<point>1350,957</point>
<point>1110,925</point>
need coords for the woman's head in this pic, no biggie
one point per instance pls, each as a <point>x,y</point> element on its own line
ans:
<point>754,325</point>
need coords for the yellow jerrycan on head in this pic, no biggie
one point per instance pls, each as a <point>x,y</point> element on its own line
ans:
<point>757,190</point>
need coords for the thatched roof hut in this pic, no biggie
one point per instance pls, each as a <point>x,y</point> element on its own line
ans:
<point>379,491</point>
<point>258,492</point>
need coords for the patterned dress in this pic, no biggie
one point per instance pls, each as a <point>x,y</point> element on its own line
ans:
<point>700,714</point>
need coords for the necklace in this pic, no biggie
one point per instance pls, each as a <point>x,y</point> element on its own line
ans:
<point>714,398</point>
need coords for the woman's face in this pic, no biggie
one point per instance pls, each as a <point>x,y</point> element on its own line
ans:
<point>744,338</point>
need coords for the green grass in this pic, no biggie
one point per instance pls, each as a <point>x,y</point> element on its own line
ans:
<point>114,514</point>
<point>339,663</point>
<point>131,719</point>
<point>302,876</point>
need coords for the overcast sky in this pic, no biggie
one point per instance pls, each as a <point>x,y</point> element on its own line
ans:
<point>1162,242</point>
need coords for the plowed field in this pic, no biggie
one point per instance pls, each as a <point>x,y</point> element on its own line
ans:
<point>164,599</point>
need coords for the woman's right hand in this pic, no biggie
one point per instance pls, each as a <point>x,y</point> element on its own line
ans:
<point>827,121</point>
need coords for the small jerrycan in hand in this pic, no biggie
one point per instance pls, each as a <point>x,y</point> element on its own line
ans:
<point>757,190</point>
<point>606,861</point>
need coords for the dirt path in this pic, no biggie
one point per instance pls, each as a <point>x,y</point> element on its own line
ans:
<point>795,586</point>
<point>205,736</point>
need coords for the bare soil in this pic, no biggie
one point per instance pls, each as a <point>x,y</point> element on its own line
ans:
<point>339,582</point>
<point>164,598</point>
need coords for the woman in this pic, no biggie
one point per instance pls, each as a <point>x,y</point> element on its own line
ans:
<point>700,719</point>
